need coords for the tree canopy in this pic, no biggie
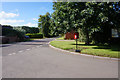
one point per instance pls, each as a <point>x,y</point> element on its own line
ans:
<point>89,16</point>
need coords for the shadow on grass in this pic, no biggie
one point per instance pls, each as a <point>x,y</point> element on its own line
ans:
<point>84,44</point>
<point>31,44</point>
<point>110,47</point>
<point>115,47</point>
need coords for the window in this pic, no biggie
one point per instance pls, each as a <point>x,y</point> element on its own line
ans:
<point>115,33</point>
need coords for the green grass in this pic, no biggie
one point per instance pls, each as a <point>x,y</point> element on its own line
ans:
<point>60,38</point>
<point>98,50</point>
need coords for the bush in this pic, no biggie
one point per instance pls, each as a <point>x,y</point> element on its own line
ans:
<point>82,37</point>
<point>9,32</point>
<point>26,29</point>
<point>19,29</point>
<point>100,38</point>
<point>35,35</point>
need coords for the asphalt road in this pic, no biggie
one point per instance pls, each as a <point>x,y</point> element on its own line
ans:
<point>35,59</point>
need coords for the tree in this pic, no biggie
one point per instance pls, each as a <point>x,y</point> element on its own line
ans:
<point>67,15</point>
<point>44,22</point>
<point>89,16</point>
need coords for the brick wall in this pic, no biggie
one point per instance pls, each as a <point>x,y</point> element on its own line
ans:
<point>69,35</point>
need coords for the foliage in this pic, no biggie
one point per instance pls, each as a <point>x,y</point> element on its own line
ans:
<point>82,37</point>
<point>44,22</point>
<point>19,29</point>
<point>100,38</point>
<point>27,29</point>
<point>12,32</point>
<point>67,15</point>
<point>8,32</point>
<point>89,16</point>
<point>7,26</point>
<point>30,29</point>
<point>35,35</point>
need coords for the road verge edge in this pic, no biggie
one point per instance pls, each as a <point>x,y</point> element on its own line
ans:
<point>82,54</point>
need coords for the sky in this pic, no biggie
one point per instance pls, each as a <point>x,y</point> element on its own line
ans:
<point>23,13</point>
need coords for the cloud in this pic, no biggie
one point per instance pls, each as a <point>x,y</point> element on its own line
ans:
<point>7,15</point>
<point>28,24</point>
<point>31,25</point>
<point>9,21</point>
<point>35,19</point>
<point>5,19</point>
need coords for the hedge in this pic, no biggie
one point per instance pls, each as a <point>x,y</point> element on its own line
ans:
<point>12,32</point>
<point>35,35</point>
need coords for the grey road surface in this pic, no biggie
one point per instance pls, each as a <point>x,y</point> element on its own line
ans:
<point>36,59</point>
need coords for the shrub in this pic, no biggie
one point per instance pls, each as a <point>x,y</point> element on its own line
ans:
<point>100,38</point>
<point>82,37</point>
<point>35,35</point>
<point>12,32</point>
<point>20,32</point>
<point>8,32</point>
<point>19,29</point>
<point>26,29</point>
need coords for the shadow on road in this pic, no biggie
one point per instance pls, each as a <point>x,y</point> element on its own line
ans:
<point>34,42</point>
<point>31,44</point>
<point>5,45</point>
<point>39,41</point>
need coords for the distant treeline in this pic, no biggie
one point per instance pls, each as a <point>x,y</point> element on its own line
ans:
<point>24,29</point>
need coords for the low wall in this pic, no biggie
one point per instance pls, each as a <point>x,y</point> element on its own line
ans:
<point>11,39</point>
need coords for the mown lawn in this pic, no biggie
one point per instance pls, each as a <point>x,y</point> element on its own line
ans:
<point>98,50</point>
<point>60,38</point>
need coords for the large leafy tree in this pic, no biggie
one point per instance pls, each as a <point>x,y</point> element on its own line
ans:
<point>99,16</point>
<point>44,22</point>
<point>67,14</point>
<point>89,16</point>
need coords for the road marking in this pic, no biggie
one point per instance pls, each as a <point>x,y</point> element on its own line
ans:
<point>27,49</point>
<point>33,47</point>
<point>10,54</point>
<point>20,51</point>
<point>37,46</point>
<point>13,53</point>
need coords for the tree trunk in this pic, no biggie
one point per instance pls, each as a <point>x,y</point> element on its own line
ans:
<point>87,42</point>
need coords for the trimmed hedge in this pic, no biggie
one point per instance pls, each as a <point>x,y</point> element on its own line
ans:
<point>12,35</point>
<point>11,32</point>
<point>35,35</point>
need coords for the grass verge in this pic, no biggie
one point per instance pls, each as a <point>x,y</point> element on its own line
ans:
<point>98,50</point>
<point>60,38</point>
